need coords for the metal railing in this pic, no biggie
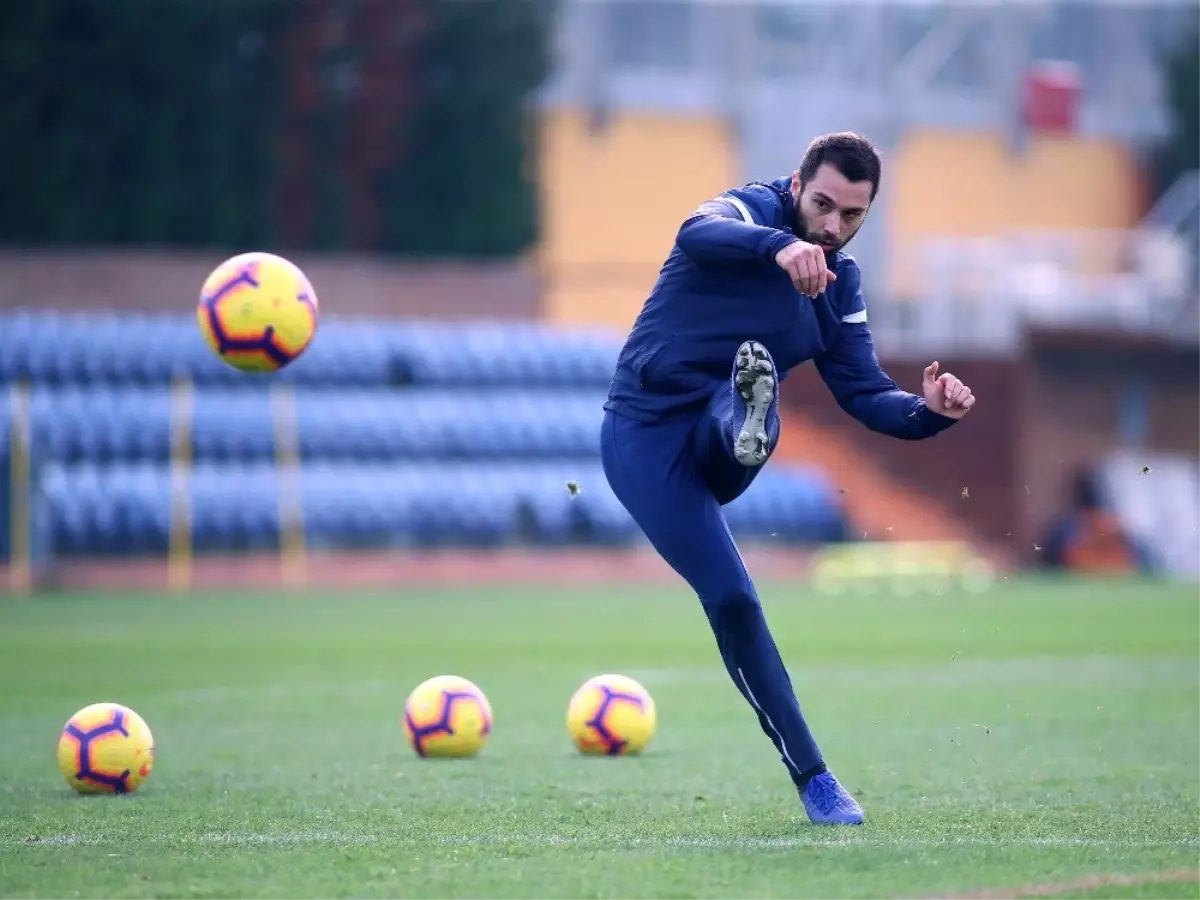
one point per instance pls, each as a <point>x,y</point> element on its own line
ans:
<point>977,294</point>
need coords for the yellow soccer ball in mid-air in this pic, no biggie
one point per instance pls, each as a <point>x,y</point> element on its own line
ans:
<point>106,748</point>
<point>611,715</point>
<point>257,312</point>
<point>447,716</point>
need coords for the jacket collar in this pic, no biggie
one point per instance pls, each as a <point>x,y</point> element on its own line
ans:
<point>783,186</point>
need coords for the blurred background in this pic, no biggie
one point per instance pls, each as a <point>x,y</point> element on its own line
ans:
<point>500,180</point>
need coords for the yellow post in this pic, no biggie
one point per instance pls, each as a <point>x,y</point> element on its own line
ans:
<point>293,549</point>
<point>179,574</point>
<point>20,568</point>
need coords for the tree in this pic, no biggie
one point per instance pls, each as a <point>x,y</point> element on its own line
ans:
<point>1181,152</point>
<point>136,122</point>
<point>464,182</point>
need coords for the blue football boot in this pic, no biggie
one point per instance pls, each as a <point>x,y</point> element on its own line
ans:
<point>828,803</point>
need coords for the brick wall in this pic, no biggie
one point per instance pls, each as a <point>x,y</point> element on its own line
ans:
<point>979,457</point>
<point>1039,418</point>
<point>163,282</point>
<point>1073,404</point>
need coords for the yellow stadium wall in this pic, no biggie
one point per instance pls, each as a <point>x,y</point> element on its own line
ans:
<point>967,184</point>
<point>612,199</point>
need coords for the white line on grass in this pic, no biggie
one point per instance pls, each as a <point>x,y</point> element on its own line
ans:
<point>1081,671</point>
<point>281,691</point>
<point>254,838</point>
<point>787,843</point>
<point>220,838</point>
<point>961,672</point>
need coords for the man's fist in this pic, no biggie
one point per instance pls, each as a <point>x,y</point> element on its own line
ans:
<point>805,265</point>
<point>945,394</point>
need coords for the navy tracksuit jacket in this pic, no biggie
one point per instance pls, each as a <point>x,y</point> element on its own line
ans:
<point>668,428</point>
<point>720,286</point>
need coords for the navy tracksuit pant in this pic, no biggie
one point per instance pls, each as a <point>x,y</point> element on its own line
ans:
<point>673,477</point>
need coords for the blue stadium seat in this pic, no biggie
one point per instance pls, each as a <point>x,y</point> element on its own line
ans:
<point>788,503</point>
<point>504,353</point>
<point>138,348</point>
<point>119,509</point>
<point>398,447</point>
<point>131,423</point>
<point>107,510</point>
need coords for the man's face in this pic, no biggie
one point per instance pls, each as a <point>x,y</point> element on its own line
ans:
<point>829,208</point>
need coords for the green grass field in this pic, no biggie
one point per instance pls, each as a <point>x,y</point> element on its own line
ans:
<point>1038,735</point>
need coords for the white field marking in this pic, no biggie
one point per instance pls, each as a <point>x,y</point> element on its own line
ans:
<point>677,676</point>
<point>255,838</point>
<point>206,838</point>
<point>1077,886</point>
<point>282,691</point>
<point>784,843</point>
<point>54,840</point>
<point>1084,671</point>
<point>295,837</point>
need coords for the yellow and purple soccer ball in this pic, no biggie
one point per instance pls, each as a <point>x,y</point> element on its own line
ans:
<point>257,312</point>
<point>611,715</point>
<point>447,716</point>
<point>106,748</point>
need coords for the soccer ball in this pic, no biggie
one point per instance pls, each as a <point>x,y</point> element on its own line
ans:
<point>106,748</point>
<point>257,312</point>
<point>447,716</point>
<point>611,715</point>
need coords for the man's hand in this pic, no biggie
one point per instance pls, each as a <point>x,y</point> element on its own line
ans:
<point>805,265</point>
<point>945,394</point>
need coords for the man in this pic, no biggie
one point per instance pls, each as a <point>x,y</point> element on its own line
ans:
<point>758,282</point>
<point>1089,538</point>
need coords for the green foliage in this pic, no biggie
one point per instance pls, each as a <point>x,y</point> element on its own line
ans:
<point>160,122</point>
<point>136,122</point>
<point>1181,153</point>
<point>462,184</point>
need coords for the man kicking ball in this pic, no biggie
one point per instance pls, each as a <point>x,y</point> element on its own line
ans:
<point>757,282</point>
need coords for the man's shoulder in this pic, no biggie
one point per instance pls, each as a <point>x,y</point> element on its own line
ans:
<point>766,189</point>
<point>757,202</point>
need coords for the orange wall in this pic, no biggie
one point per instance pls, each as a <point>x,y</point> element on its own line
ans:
<point>971,184</point>
<point>612,200</point>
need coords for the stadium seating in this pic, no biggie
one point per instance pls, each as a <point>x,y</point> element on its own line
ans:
<point>381,463</point>
<point>119,509</point>
<point>83,348</point>
<point>127,423</point>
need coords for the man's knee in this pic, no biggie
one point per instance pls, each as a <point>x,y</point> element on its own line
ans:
<point>713,443</point>
<point>730,484</point>
<point>734,610</point>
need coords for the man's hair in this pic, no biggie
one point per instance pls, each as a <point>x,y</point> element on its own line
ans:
<point>851,154</point>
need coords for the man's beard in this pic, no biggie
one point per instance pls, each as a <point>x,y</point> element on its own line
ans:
<point>813,237</point>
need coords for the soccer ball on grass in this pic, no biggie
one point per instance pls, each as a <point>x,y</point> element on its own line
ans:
<point>447,716</point>
<point>611,715</point>
<point>106,748</point>
<point>257,312</point>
